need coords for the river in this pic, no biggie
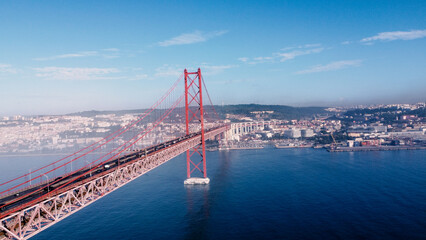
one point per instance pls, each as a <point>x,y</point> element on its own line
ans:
<point>259,194</point>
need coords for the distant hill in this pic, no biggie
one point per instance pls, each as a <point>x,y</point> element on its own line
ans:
<point>280,111</point>
<point>93,113</point>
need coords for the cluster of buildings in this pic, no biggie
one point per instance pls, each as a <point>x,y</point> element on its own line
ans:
<point>19,134</point>
<point>389,135</point>
<point>361,126</point>
<point>281,133</point>
<point>379,125</point>
<point>420,105</point>
<point>387,125</point>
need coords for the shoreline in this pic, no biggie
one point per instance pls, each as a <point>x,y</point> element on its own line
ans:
<point>283,147</point>
<point>377,148</point>
<point>240,148</point>
<point>339,149</point>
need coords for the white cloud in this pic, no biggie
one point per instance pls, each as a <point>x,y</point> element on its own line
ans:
<point>286,54</point>
<point>312,45</point>
<point>69,55</point>
<point>263,58</point>
<point>7,68</point>
<point>332,66</point>
<point>190,38</point>
<point>397,35</point>
<point>293,54</point>
<point>346,42</point>
<point>168,71</point>
<point>63,73</point>
<point>215,69</point>
<point>258,60</point>
<point>176,70</point>
<point>106,53</point>
<point>138,77</point>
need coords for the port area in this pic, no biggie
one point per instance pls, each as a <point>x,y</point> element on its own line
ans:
<point>197,181</point>
<point>277,145</point>
<point>374,148</point>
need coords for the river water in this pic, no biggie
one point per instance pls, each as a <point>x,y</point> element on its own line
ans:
<point>260,194</point>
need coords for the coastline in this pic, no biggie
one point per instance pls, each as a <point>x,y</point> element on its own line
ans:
<point>338,149</point>
<point>239,148</point>
<point>375,148</point>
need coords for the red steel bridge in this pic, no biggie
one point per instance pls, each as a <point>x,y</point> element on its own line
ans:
<point>178,122</point>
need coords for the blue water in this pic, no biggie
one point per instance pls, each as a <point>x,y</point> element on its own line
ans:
<point>265,194</point>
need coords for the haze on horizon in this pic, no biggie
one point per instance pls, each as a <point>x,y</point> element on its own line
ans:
<point>62,57</point>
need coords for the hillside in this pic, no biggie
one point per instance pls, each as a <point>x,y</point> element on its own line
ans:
<point>279,111</point>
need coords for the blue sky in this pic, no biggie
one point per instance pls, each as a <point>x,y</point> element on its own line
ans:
<point>66,56</point>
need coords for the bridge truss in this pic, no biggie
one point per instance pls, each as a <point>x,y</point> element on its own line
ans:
<point>32,220</point>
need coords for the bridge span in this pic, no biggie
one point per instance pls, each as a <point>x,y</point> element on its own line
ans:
<point>22,218</point>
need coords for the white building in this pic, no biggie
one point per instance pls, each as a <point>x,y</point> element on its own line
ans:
<point>292,133</point>
<point>307,132</point>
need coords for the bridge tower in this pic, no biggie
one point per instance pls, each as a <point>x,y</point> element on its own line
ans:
<point>194,95</point>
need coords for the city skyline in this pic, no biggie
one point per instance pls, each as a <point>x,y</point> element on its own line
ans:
<point>62,57</point>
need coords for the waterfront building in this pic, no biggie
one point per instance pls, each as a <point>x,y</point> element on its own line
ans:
<point>307,132</point>
<point>292,133</point>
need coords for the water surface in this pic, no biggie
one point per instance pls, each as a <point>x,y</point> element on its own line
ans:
<point>264,194</point>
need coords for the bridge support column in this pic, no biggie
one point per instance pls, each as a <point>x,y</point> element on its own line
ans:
<point>194,95</point>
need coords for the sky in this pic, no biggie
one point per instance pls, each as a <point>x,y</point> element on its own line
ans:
<point>67,56</point>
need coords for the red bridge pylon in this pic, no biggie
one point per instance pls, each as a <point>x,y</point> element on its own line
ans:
<point>194,112</point>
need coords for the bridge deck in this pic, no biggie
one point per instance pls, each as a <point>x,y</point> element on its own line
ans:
<point>24,215</point>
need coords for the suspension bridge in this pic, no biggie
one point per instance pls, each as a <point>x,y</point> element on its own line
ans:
<point>178,122</point>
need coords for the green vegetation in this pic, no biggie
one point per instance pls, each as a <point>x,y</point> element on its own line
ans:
<point>325,137</point>
<point>280,111</point>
